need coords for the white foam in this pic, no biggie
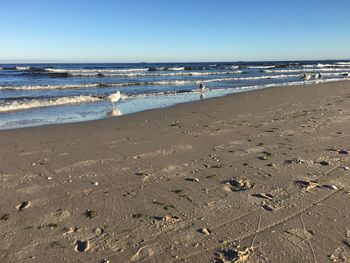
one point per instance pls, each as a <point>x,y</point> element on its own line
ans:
<point>320,65</point>
<point>156,74</point>
<point>335,73</point>
<point>308,66</point>
<point>23,68</point>
<point>29,104</point>
<point>177,68</point>
<point>48,87</point>
<point>304,70</point>
<point>145,83</point>
<point>55,70</point>
<point>260,67</point>
<point>343,63</point>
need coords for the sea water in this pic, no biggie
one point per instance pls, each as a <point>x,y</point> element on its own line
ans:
<point>39,94</point>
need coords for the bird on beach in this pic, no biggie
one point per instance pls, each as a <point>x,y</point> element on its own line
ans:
<point>113,97</point>
<point>318,76</point>
<point>307,76</point>
<point>202,86</point>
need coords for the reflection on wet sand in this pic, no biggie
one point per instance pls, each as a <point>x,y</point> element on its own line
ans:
<point>114,112</point>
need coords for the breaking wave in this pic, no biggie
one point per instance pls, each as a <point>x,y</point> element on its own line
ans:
<point>6,106</point>
<point>146,83</point>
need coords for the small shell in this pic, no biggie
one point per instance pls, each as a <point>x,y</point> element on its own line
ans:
<point>330,186</point>
<point>205,231</point>
<point>23,205</point>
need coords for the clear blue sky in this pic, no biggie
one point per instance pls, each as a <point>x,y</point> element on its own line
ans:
<point>173,30</point>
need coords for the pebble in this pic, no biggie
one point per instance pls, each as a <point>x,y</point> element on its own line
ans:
<point>268,208</point>
<point>331,186</point>
<point>343,152</point>
<point>308,185</point>
<point>324,163</point>
<point>95,183</point>
<point>263,157</point>
<point>192,179</point>
<point>272,165</point>
<point>265,196</point>
<point>98,231</point>
<point>167,217</point>
<point>239,185</point>
<point>49,178</point>
<point>69,230</point>
<point>345,168</point>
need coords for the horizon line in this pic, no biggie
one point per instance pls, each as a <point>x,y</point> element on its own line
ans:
<point>38,61</point>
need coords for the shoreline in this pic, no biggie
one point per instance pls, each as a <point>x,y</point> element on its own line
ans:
<point>181,103</point>
<point>260,176</point>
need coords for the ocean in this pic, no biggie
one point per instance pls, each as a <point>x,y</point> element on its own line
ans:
<point>40,94</point>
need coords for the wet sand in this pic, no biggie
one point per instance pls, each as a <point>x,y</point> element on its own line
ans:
<point>260,176</point>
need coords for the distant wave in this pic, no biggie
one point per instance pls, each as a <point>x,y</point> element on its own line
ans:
<point>176,68</point>
<point>49,87</point>
<point>320,65</point>
<point>142,83</point>
<point>57,70</point>
<point>152,74</point>
<point>304,70</point>
<point>23,68</point>
<point>261,67</point>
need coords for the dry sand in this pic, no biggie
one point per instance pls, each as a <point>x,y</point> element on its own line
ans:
<point>254,177</point>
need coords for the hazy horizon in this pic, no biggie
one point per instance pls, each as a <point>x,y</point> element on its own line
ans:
<point>155,62</point>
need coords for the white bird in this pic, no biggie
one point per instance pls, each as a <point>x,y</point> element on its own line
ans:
<point>307,76</point>
<point>113,97</point>
<point>318,76</point>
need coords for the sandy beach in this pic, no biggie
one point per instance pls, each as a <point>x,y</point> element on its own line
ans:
<point>260,176</point>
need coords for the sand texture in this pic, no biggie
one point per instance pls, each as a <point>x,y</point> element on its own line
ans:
<point>260,176</point>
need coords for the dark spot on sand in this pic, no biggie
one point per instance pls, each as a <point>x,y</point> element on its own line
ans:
<point>5,217</point>
<point>168,207</point>
<point>23,205</point>
<point>138,215</point>
<point>178,191</point>
<point>82,245</point>
<point>90,213</point>
<point>324,163</point>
